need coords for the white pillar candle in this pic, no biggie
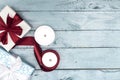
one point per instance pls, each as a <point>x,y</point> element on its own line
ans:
<point>49,59</point>
<point>44,35</point>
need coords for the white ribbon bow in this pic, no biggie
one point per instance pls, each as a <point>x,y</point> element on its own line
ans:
<point>10,73</point>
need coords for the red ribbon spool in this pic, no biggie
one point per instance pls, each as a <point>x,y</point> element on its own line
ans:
<point>44,67</point>
<point>39,53</point>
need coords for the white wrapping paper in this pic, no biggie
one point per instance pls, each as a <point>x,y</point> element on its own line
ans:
<point>12,68</point>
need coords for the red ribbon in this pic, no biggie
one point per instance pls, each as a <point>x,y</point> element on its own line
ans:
<point>10,28</point>
<point>15,31</point>
<point>38,52</point>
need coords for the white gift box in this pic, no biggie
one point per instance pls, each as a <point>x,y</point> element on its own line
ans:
<point>24,26</point>
<point>12,68</point>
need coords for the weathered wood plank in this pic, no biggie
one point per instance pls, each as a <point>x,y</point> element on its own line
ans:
<point>80,51</point>
<point>77,75</point>
<point>71,39</point>
<point>78,58</point>
<point>64,5</point>
<point>74,20</point>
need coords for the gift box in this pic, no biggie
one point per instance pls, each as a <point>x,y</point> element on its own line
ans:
<point>12,28</point>
<point>12,68</point>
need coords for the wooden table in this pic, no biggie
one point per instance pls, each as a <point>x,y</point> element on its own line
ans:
<point>87,37</point>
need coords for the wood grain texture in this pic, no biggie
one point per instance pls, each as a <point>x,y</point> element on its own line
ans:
<point>87,37</point>
<point>75,58</point>
<point>81,39</point>
<point>74,20</point>
<point>61,5</point>
<point>77,75</point>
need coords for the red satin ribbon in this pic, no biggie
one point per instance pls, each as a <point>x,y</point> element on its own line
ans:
<point>15,31</point>
<point>10,28</point>
<point>38,52</point>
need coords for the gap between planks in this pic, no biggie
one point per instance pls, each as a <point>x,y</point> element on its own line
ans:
<point>87,69</point>
<point>95,10</point>
<point>31,47</point>
<point>85,30</point>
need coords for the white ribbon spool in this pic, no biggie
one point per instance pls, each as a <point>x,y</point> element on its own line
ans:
<point>49,59</point>
<point>44,35</point>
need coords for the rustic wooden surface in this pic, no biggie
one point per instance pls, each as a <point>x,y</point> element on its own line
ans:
<point>87,37</point>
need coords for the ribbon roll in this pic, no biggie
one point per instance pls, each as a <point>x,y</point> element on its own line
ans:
<point>47,59</point>
<point>52,57</point>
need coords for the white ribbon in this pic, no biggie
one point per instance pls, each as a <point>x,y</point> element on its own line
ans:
<point>10,73</point>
